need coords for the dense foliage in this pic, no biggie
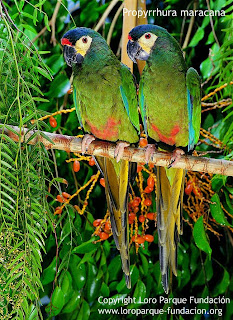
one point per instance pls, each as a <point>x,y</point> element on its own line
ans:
<point>49,263</point>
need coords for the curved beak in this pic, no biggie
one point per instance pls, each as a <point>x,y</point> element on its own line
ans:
<point>71,55</point>
<point>135,51</point>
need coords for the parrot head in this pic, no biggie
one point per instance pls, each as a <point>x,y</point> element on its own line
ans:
<point>142,40</point>
<point>78,43</point>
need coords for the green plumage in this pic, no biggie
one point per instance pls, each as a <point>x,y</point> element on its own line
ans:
<point>106,104</point>
<point>169,99</point>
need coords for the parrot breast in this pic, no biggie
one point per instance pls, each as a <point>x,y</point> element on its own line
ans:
<point>171,138</point>
<point>109,132</point>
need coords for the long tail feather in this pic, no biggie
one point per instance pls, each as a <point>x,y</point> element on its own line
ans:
<point>117,178</point>
<point>170,189</point>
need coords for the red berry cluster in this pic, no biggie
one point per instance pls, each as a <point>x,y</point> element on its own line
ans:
<point>141,239</point>
<point>193,187</point>
<point>104,231</point>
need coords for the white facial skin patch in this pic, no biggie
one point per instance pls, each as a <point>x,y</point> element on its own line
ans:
<point>83,44</point>
<point>147,41</point>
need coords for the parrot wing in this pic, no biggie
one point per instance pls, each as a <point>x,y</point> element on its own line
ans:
<point>142,105</point>
<point>193,83</point>
<point>77,106</point>
<point>129,95</point>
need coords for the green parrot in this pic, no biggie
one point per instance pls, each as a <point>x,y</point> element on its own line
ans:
<point>170,105</point>
<point>106,103</point>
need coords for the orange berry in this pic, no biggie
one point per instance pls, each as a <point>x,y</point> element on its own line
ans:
<point>107,226</point>
<point>135,203</point>
<point>150,216</point>
<point>190,181</point>
<point>141,218</point>
<point>136,209</point>
<point>104,235</point>
<point>58,210</point>
<point>132,216</point>
<point>91,162</point>
<point>131,221</point>
<point>102,182</point>
<point>138,198</point>
<point>148,238</point>
<point>52,122</point>
<point>66,195</point>
<point>139,168</point>
<point>148,189</point>
<point>148,202</point>
<point>150,182</point>
<point>70,91</point>
<point>85,203</point>
<point>76,207</point>
<point>97,222</point>
<point>130,205</point>
<point>76,166</point>
<point>97,232</point>
<point>197,191</point>
<point>188,189</point>
<point>151,165</point>
<point>143,142</point>
<point>60,198</point>
<point>139,240</point>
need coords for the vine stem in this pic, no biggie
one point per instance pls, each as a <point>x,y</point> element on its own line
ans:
<point>106,149</point>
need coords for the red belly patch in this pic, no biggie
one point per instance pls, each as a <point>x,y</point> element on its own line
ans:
<point>108,132</point>
<point>171,139</point>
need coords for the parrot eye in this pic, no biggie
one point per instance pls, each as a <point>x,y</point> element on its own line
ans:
<point>84,40</point>
<point>147,36</point>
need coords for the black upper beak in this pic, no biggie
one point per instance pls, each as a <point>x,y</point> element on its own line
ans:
<point>135,51</point>
<point>71,55</point>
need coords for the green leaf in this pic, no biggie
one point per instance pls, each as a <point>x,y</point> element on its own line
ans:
<point>49,273</point>
<point>93,283</point>
<point>104,290</point>
<point>84,311</point>
<point>86,247</point>
<point>139,293</point>
<point>57,302</point>
<point>46,22</point>
<point>43,72</point>
<point>73,303</point>
<point>144,264</point>
<point>222,286</point>
<point>200,237</point>
<point>66,285</point>
<point>59,86</point>
<point>80,276</point>
<point>199,35</point>
<point>217,212</point>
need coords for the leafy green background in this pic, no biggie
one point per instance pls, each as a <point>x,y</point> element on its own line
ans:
<point>50,267</point>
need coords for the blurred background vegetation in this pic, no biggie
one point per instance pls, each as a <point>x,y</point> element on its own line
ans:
<point>50,268</point>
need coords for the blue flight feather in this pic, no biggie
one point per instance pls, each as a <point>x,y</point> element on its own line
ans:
<point>190,115</point>
<point>77,108</point>
<point>125,101</point>
<point>143,109</point>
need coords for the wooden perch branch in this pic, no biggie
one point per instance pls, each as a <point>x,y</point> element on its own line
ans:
<point>106,149</point>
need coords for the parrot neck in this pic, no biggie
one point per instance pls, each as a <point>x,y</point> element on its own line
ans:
<point>98,57</point>
<point>167,55</point>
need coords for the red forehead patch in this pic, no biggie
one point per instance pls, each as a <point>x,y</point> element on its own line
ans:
<point>129,37</point>
<point>65,41</point>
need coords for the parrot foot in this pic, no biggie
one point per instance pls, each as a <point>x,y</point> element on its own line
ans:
<point>150,149</point>
<point>176,155</point>
<point>121,145</point>
<point>87,140</point>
